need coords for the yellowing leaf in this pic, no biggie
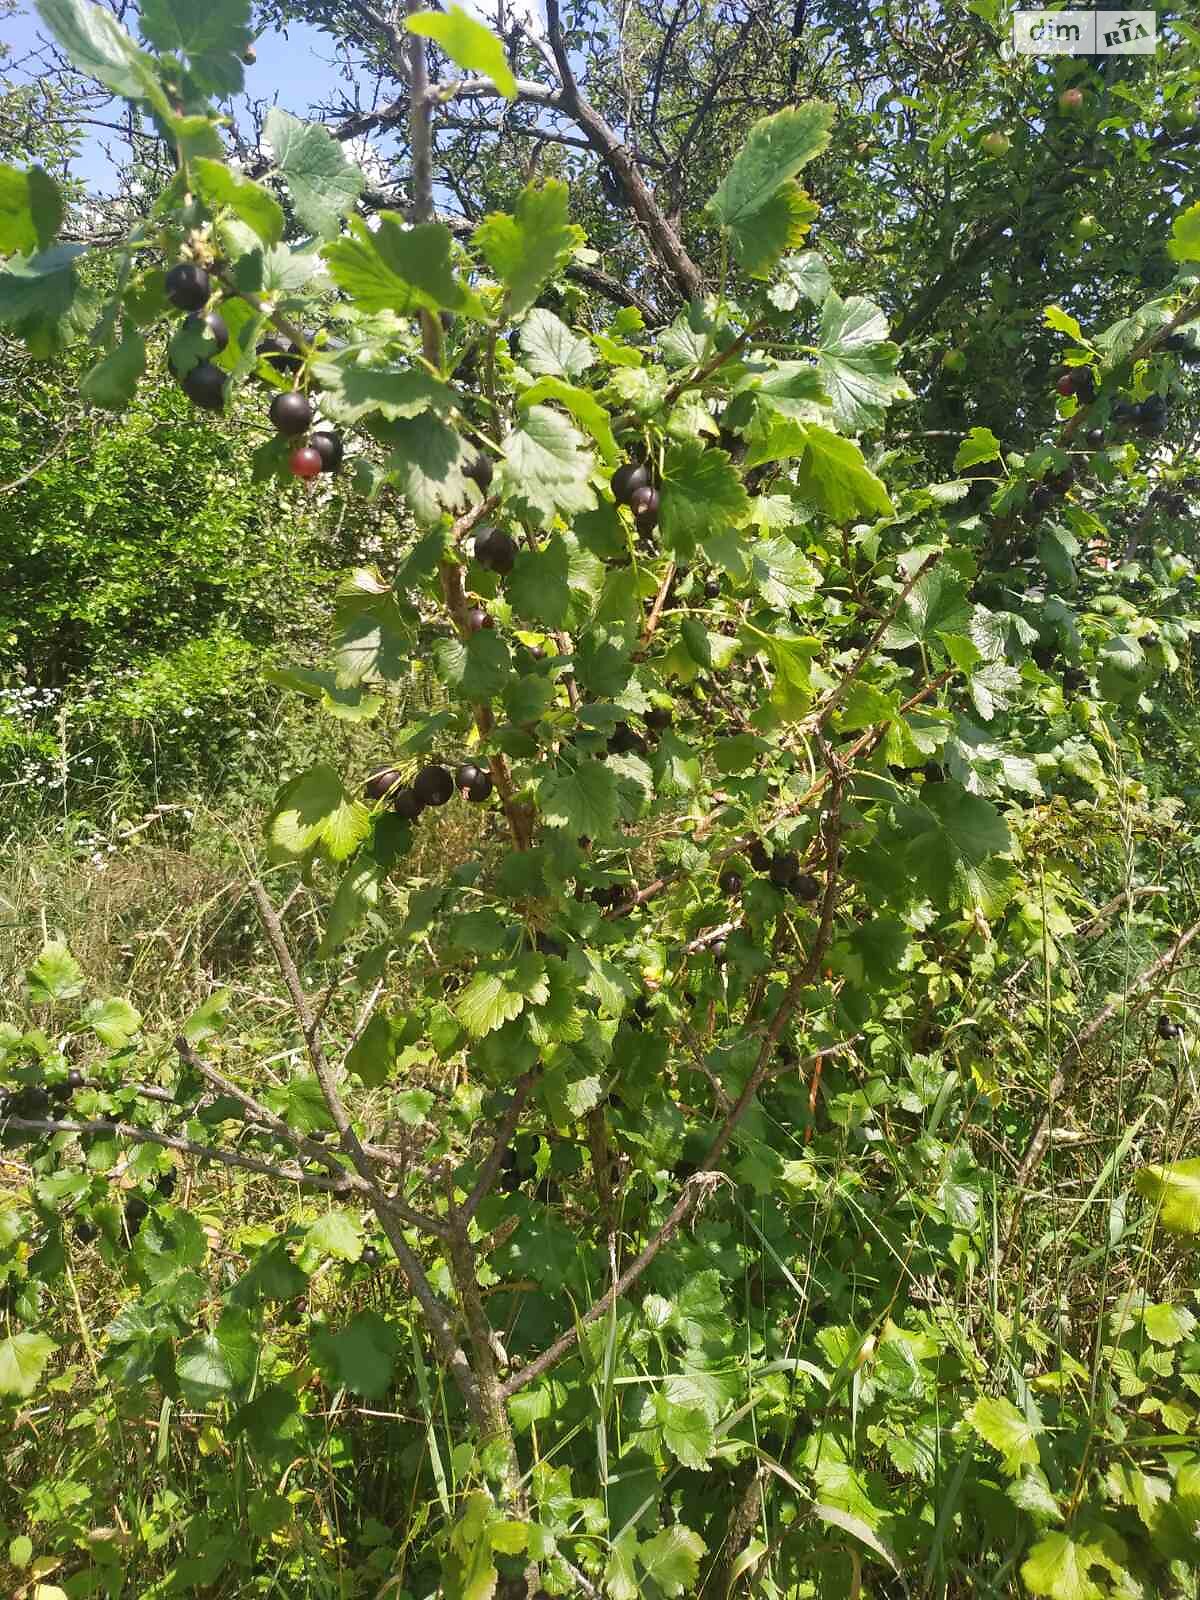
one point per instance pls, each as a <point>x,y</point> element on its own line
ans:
<point>1175,1189</point>
<point>468,44</point>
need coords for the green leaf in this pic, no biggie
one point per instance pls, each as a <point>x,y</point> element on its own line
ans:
<point>212,36</point>
<point>357,893</point>
<point>550,347</point>
<point>373,1054</point>
<point>777,148</point>
<point>315,811</point>
<point>213,1365</point>
<point>834,475</point>
<point>208,1018</point>
<point>23,1358</point>
<point>998,1423</point>
<point>687,1434</point>
<point>620,1576</point>
<point>112,382</point>
<point>791,690</point>
<point>496,995</point>
<point>477,668</point>
<point>955,832</point>
<point>1062,322</point>
<point>468,44</point>
<point>372,639</point>
<point>937,603</point>
<point>114,1022</point>
<point>779,225</point>
<point>43,301</point>
<point>537,588</point>
<point>337,1233</point>
<point>781,574</point>
<point>544,470</point>
<point>350,391</point>
<point>427,461</point>
<point>1175,1189</point>
<point>31,210</point>
<point>702,493</point>
<point>981,444</point>
<point>323,184</point>
<point>582,405</point>
<point>1058,1566</point>
<point>300,1101</point>
<point>857,362</point>
<point>582,799</point>
<point>397,268</point>
<point>20,1551</point>
<point>55,975</point>
<point>672,1558</point>
<point>361,1357</point>
<point>527,248</point>
<point>99,46</point>
<point>803,277</point>
<point>258,209</point>
<point>858,1528</point>
<point>346,703</point>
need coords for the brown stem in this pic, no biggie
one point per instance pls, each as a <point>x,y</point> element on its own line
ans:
<point>437,1313</point>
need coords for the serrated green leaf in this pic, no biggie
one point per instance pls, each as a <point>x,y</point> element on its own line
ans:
<point>55,975</point>
<point>399,268</point>
<point>981,444</point>
<point>43,300</point>
<point>582,405</point>
<point>953,833</point>
<point>781,574</point>
<point>998,1423</point>
<point>23,1358</point>
<point>350,391</point>
<point>337,1233</point>
<point>357,892</point>
<point>702,493</point>
<point>112,382</point>
<point>672,1558</point>
<point>212,37</point>
<point>582,799</point>
<point>322,183</point>
<point>857,361</point>
<point>802,277</point>
<point>537,588</point>
<point>211,1366</point>
<point>777,148</point>
<point>314,811</point>
<point>361,1357</point>
<point>1185,235</point>
<point>100,47</point>
<point>526,248</point>
<point>550,347</point>
<point>114,1021</point>
<point>834,475</point>
<point>780,224</point>
<point>427,461</point>
<point>1058,1566</point>
<point>371,637</point>
<point>544,470</point>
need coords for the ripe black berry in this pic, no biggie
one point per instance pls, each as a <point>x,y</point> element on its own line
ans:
<point>623,740</point>
<point>805,886</point>
<point>1094,438</point>
<point>478,618</point>
<point>730,882</point>
<point>188,286</point>
<point>479,788</point>
<point>381,784</point>
<point>291,413</point>
<point>644,504</point>
<point>204,386</point>
<point>1042,497</point>
<point>1167,1029</point>
<point>406,804</point>
<point>283,358</point>
<point>760,856</point>
<point>75,1079</point>
<point>712,587</point>
<point>213,324</point>
<point>481,471</point>
<point>625,480</point>
<point>329,447</point>
<point>658,718</point>
<point>783,868</point>
<point>495,550</point>
<point>433,786</point>
<point>370,1256</point>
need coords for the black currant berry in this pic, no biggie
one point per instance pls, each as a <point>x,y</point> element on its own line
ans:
<point>479,788</point>
<point>712,587</point>
<point>658,717</point>
<point>783,868</point>
<point>204,386</point>
<point>383,783</point>
<point>406,804</point>
<point>329,447</point>
<point>1167,1029</point>
<point>211,323</point>
<point>86,1232</point>
<point>805,887</point>
<point>467,774</point>
<point>75,1079</point>
<point>495,550</point>
<point>281,357</point>
<point>1042,497</point>
<point>1094,438</point>
<point>730,882</point>
<point>370,1256</point>
<point>188,286</point>
<point>623,740</point>
<point>759,856</point>
<point>626,479</point>
<point>481,471</point>
<point>478,618</point>
<point>433,786</point>
<point>644,504</point>
<point>291,413</point>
